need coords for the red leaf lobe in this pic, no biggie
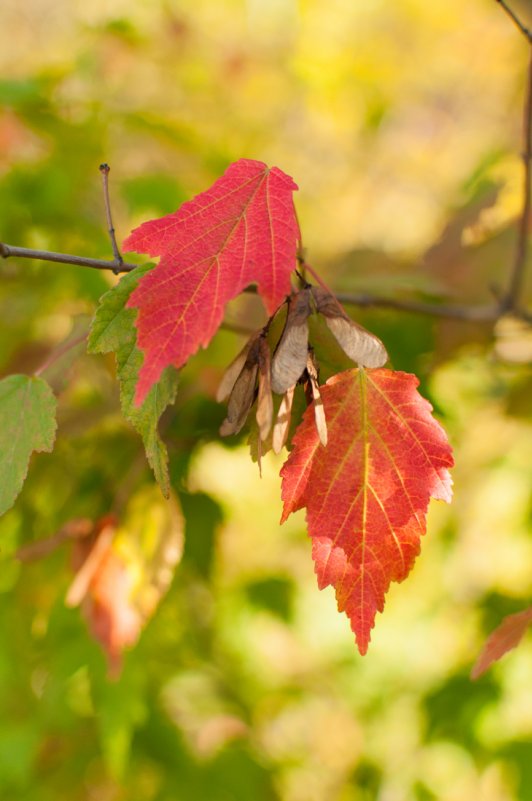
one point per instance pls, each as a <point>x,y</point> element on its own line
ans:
<point>242,230</point>
<point>367,492</point>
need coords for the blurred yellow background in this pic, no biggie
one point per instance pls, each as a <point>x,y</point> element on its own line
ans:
<point>401,123</point>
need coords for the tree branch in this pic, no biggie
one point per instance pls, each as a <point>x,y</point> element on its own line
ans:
<point>464,313</point>
<point>515,19</point>
<point>517,273</point>
<point>487,313</point>
<point>7,251</point>
<point>477,314</point>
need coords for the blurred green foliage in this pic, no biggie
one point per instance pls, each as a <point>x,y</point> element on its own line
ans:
<point>401,123</point>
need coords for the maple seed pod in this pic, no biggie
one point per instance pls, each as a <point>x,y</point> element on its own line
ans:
<point>360,345</point>
<point>264,415</point>
<point>282,423</point>
<point>243,393</point>
<point>233,371</point>
<point>290,357</point>
<point>319,411</point>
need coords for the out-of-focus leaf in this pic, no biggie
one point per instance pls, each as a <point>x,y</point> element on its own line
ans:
<point>505,637</point>
<point>203,516</point>
<point>113,330</point>
<point>125,569</point>
<point>275,594</point>
<point>27,411</point>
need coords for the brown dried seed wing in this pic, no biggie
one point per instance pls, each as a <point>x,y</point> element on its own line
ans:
<point>264,413</point>
<point>360,345</point>
<point>290,356</point>
<point>319,411</point>
<point>282,423</point>
<point>233,371</point>
<point>243,393</point>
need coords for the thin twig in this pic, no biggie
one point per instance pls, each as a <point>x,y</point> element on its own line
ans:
<point>73,530</point>
<point>519,265</point>
<point>58,352</point>
<point>7,251</point>
<point>105,170</point>
<point>515,19</point>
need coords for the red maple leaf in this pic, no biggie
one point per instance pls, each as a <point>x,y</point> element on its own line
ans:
<point>505,637</point>
<point>242,230</point>
<point>367,492</point>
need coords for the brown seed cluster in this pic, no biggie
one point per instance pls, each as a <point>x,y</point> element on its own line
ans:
<point>255,373</point>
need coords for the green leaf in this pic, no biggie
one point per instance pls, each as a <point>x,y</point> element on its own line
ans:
<point>113,329</point>
<point>27,411</point>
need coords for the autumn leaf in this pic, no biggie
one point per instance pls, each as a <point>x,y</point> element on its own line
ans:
<point>27,407</point>
<point>125,568</point>
<point>367,492</point>
<point>505,637</point>
<point>113,329</point>
<point>242,230</point>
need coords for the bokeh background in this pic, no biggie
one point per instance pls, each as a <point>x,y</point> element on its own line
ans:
<point>401,123</point>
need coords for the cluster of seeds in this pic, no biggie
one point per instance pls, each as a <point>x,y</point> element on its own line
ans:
<point>255,372</point>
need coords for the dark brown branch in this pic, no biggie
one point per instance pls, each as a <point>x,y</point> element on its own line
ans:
<point>515,19</point>
<point>478,314</point>
<point>521,251</point>
<point>467,313</point>
<point>6,251</point>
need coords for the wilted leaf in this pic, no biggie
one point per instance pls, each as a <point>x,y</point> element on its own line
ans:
<point>290,357</point>
<point>242,230</point>
<point>367,492</point>
<point>359,344</point>
<point>505,637</point>
<point>113,329</point>
<point>27,411</point>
